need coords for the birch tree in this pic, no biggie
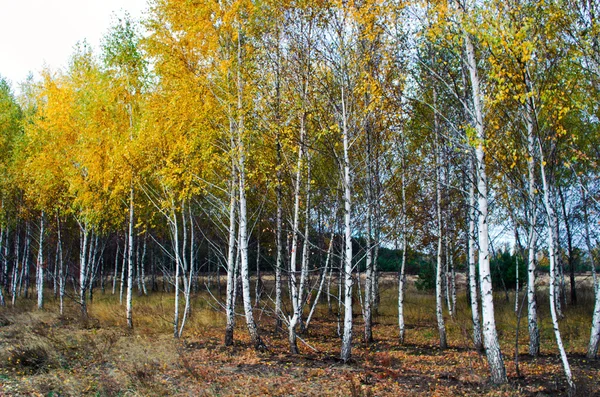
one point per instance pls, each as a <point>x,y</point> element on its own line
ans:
<point>490,335</point>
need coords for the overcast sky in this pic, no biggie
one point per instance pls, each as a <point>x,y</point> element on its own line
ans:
<point>34,33</point>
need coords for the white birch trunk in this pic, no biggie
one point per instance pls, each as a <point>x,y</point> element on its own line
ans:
<point>187,287</point>
<point>129,301</point>
<point>26,264</point>
<point>15,267</point>
<point>490,336</point>
<point>516,281</point>
<point>143,273</point>
<point>279,247</point>
<point>294,290</point>
<point>368,297</point>
<point>243,217</point>
<point>258,283</point>
<point>588,240</point>
<point>5,259</point>
<point>473,268</point>
<point>5,280</point>
<point>369,282</point>
<point>55,275</point>
<point>347,335</point>
<point>247,300</point>
<point>402,275</point>
<point>123,267</point>
<point>452,280</point>
<point>61,268</point>
<point>305,251</point>
<point>592,351</point>
<point>439,290</point>
<point>230,300</point>
<point>116,272</point>
<point>175,237</point>
<point>534,332</point>
<point>83,244</point>
<point>552,257</point>
<point>25,260</point>
<point>3,245</point>
<point>40,266</point>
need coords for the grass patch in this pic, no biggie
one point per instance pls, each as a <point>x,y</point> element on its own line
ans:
<point>44,353</point>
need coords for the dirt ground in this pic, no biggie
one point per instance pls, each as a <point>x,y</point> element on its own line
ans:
<point>44,354</point>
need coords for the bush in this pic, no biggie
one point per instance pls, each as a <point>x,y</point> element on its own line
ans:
<point>426,277</point>
<point>503,267</point>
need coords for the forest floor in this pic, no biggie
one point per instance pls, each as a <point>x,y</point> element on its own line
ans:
<point>45,354</point>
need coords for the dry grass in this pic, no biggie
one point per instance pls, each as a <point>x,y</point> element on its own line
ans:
<point>42,353</point>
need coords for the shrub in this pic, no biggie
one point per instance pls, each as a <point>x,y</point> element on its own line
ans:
<point>503,268</point>
<point>426,278</point>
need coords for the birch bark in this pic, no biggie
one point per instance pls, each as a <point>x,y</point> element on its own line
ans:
<point>551,216</point>
<point>490,336</point>
<point>347,335</point>
<point>129,301</point>
<point>40,266</point>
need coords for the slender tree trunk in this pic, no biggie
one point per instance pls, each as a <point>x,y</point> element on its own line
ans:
<point>190,268</point>
<point>129,302</point>
<point>258,284</point>
<point>5,273</point>
<point>477,341</point>
<point>367,312</point>
<point>447,272</point>
<point>339,293</point>
<point>123,267</point>
<point>402,275</point>
<point>25,260</point>
<point>26,263</point>
<point>571,251</point>
<point>369,281</point>
<point>439,293</point>
<point>61,267</point>
<point>91,265</point>
<point>347,336</point>
<point>40,266</point>
<point>2,300</point>
<point>329,277</point>
<point>279,247</point>
<point>534,332</point>
<point>142,261</point>
<point>552,257</point>
<point>252,328</point>
<point>490,336</point>
<point>55,275</point>
<point>15,278</point>
<point>321,283</point>
<point>294,290</point>
<point>592,351</point>
<point>230,300</point>
<point>452,280</point>
<point>243,216</point>
<point>516,281</point>
<point>279,190</point>
<point>116,272</point>
<point>588,240</point>
<point>5,276</point>
<point>175,233</point>
<point>83,243</point>
<point>559,267</point>
<point>303,295</point>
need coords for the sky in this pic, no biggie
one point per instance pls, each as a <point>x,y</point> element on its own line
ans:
<point>38,33</point>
